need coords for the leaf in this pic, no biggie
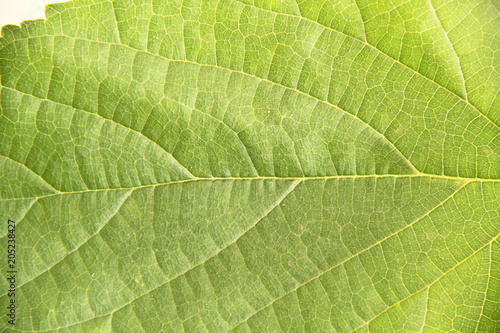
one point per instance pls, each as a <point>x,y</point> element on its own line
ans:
<point>253,166</point>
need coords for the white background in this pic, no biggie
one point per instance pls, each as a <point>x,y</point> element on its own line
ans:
<point>16,11</point>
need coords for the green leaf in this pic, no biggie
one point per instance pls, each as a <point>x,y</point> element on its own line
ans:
<point>253,166</point>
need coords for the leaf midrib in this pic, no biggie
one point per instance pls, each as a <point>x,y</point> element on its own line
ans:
<point>412,175</point>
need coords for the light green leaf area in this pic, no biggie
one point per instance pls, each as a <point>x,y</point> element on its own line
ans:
<point>253,166</point>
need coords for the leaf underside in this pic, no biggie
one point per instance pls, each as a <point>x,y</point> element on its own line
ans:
<point>253,166</point>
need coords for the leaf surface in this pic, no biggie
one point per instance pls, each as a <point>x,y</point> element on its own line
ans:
<point>253,166</point>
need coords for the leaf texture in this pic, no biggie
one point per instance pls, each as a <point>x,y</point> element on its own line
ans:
<point>253,166</point>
